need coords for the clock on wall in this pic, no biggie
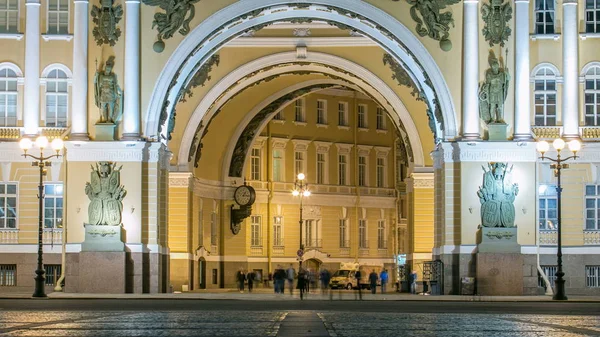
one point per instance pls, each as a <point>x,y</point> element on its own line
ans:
<point>244,196</point>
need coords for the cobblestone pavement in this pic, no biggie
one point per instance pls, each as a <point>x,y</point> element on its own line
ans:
<point>290,323</point>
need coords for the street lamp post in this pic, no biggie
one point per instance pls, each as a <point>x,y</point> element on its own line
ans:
<point>301,190</point>
<point>558,165</point>
<point>41,162</point>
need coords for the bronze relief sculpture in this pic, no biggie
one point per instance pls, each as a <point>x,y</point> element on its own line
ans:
<point>432,21</point>
<point>177,17</point>
<point>106,19</point>
<point>495,16</point>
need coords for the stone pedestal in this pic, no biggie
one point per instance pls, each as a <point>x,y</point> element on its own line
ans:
<point>499,240</point>
<point>103,239</point>
<point>105,131</point>
<point>499,274</point>
<point>497,131</point>
<point>102,272</point>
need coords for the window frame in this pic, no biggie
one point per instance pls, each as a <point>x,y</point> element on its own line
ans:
<point>595,78</point>
<point>322,168</point>
<point>52,275</point>
<point>214,238</point>
<point>344,233</point>
<point>596,210</point>
<point>363,171</point>
<point>381,172</point>
<point>543,12</point>
<point>7,12</point>
<point>547,76</point>
<point>300,110</point>
<point>4,269</point>
<point>381,234</point>
<point>299,164</point>
<point>592,281</point>
<point>278,239</point>
<point>343,181</point>
<point>4,119</point>
<point>5,195</point>
<point>381,119</point>
<point>281,160</point>
<point>595,12</point>
<point>56,80</point>
<point>363,232</point>
<point>321,112</point>
<point>544,220</point>
<point>256,231</point>
<point>57,12</point>
<point>54,197</point>
<point>343,113</point>
<point>256,164</point>
<point>362,116</point>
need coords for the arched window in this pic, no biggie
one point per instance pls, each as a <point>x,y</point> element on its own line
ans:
<point>592,96</point>
<point>8,97</point>
<point>544,93</point>
<point>57,97</point>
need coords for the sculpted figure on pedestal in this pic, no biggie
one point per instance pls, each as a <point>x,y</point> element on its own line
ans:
<point>106,195</point>
<point>108,95</point>
<point>497,196</point>
<point>493,92</point>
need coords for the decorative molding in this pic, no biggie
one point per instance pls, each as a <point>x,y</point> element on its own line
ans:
<point>259,142</point>
<point>364,150</point>
<point>179,179</point>
<point>112,151</point>
<point>301,32</point>
<point>322,147</point>
<point>57,37</point>
<point>554,37</point>
<point>489,152</point>
<point>300,145</point>
<point>311,212</point>
<point>11,36</point>
<point>343,148</point>
<point>293,42</point>
<point>279,143</point>
<point>382,151</point>
<point>422,180</point>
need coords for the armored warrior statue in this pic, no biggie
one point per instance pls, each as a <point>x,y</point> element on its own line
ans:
<point>497,196</point>
<point>493,92</point>
<point>107,93</point>
<point>106,195</point>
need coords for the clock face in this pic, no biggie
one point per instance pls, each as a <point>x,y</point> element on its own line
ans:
<point>244,195</point>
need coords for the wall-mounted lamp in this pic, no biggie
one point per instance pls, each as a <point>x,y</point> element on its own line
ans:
<point>132,209</point>
<point>471,209</point>
<point>524,210</point>
<point>78,210</point>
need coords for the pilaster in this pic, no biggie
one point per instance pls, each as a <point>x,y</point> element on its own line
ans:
<point>79,107</point>
<point>131,111</point>
<point>31,115</point>
<point>470,106</point>
<point>522,89</point>
<point>570,40</point>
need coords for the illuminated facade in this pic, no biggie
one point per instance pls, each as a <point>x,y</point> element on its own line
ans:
<point>382,115</point>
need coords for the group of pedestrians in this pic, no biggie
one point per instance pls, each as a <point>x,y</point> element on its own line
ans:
<point>251,277</point>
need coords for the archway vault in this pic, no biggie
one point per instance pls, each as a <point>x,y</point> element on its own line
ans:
<point>277,64</point>
<point>243,16</point>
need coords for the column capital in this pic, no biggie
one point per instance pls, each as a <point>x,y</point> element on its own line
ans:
<point>81,1</point>
<point>569,2</point>
<point>471,1</point>
<point>522,1</point>
<point>32,2</point>
<point>133,1</point>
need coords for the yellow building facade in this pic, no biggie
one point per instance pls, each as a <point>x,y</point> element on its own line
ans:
<point>380,112</point>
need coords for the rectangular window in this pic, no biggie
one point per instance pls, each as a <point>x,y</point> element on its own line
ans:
<point>362,171</point>
<point>548,207</point>
<point>299,112</point>
<point>321,111</point>
<point>8,275</point>
<point>278,231</point>
<point>362,116</point>
<point>321,168</point>
<point>52,273</point>
<point>8,205</point>
<point>362,233</point>
<point>299,163</point>
<point>255,164</point>
<point>343,114</point>
<point>310,235</point>
<point>58,17</point>
<point>381,119</point>
<point>344,236</point>
<point>53,205</point>
<point>380,172</point>
<point>215,277</point>
<point>255,237</point>
<point>545,102</point>
<point>57,95</point>
<point>213,229</point>
<point>278,165</point>
<point>9,16</point>
<point>342,169</point>
<point>544,16</point>
<point>381,235</point>
<point>592,276</point>
<point>278,116</point>
<point>550,272</point>
<point>592,97</point>
<point>592,207</point>
<point>592,16</point>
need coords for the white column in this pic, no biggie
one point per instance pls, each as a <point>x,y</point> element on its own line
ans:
<point>79,111</point>
<point>522,85</point>
<point>131,111</point>
<point>31,107</point>
<point>570,41</point>
<point>470,113</point>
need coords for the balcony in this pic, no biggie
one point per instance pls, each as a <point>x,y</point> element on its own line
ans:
<point>548,237</point>
<point>256,251</point>
<point>546,132</point>
<point>590,132</point>
<point>52,237</point>
<point>591,237</point>
<point>14,132</point>
<point>9,236</point>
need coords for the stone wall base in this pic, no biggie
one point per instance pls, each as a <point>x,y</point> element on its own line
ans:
<point>102,272</point>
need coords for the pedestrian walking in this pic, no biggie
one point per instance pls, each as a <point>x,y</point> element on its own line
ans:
<point>358,277</point>
<point>373,281</point>
<point>291,275</point>
<point>302,282</point>
<point>240,277</point>
<point>250,277</point>
<point>324,277</point>
<point>384,280</point>
<point>413,282</point>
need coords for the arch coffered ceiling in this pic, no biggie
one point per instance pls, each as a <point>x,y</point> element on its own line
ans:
<point>327,64</point>
<point>243,16</point>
